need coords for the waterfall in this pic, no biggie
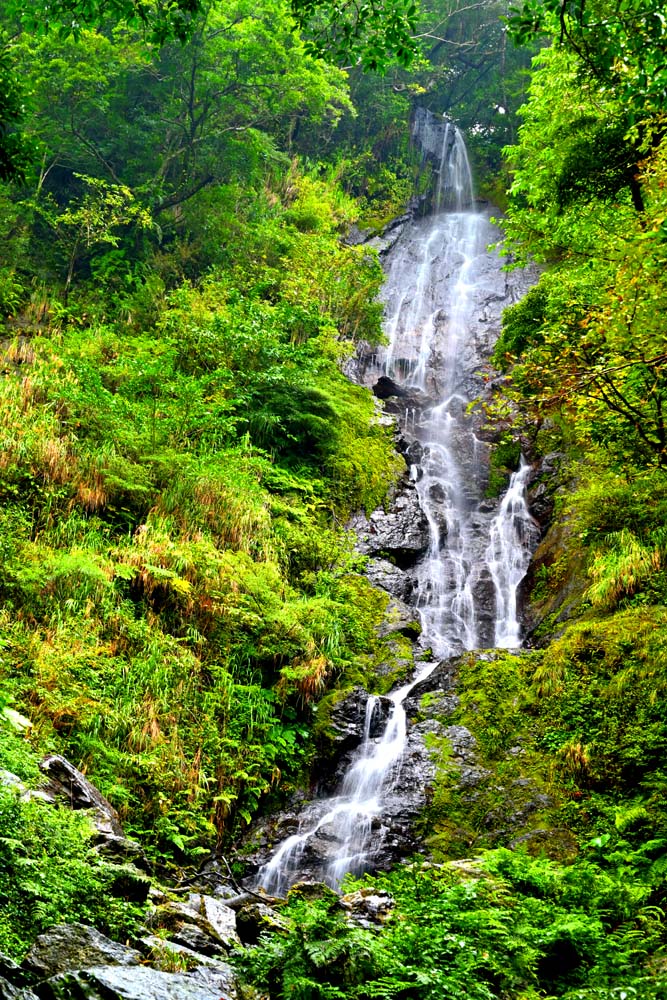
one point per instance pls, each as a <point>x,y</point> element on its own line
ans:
<point>513,537</point>
<point>440,282</point>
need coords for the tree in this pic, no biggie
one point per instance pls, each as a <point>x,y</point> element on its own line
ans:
<point>369,34</point>
<point>169,125</point>
<point>588,199</point>
<point>621,47</point>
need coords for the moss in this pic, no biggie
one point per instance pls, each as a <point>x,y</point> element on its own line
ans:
<point>393,664</point>
<point>570,743</point>
<point>503,461</point>
<point>505,794</point>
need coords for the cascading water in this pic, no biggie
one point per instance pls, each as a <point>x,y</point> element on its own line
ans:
<point>513,537</point>
<point>440,283</point>
<point>352,818</point>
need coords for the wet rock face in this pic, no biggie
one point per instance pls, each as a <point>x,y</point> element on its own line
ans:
<point>346,723</point>
<point>401,531</point>
<point>484,595</point>
<point>75,946</point>
<point>391,578</point>
<point>109,983</point>
<point>69,784</point>
<point>542,490</point>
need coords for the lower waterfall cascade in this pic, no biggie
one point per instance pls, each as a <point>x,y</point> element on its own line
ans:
<point>443,296</point>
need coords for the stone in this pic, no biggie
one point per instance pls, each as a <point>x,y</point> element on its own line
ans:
<point>399,617</point>
<point>140,983</point>
<point>68,783</point>
<point>391,578</point>
<point>356,236</point>
<point>401,531</point>
<point>218,916</point>
<point>14,981</point>
<point>128,883</point>
<point>211,916</point>
<point>347,720</point>
<point>165,950</point>
<point>386,387</point>
<point>75,946</point>
<point>462,740</point>
<point>441,678</point>
<point>255,918</point>
<point>368,907</point>
<point>121,849</point>
<point>469,868</point>
<point>12,972</point>
<point>9,780</point>
<point>413,451</point>
<point>191,936</point>
<point>10,992</point>
<point>17,721</point>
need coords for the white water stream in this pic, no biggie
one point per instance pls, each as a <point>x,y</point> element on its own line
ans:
<point>439,278</point>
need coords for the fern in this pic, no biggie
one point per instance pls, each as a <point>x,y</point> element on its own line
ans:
<point>622,567</point>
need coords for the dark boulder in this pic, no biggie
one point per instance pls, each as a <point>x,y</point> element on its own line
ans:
<point>385,387</point>
<point>257,918</point>
<point>10,992</point>
<point>391,578</point>
<point>75,946</point>
<point>14,981</point>
<point>401,531</point>
<point>141,983</point>
<point>68,784</point>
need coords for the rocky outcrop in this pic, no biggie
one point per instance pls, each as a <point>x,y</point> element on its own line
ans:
<point>400,532</point>
<point>69,961</point>
<point>557,577</point>
<point>367,907</point>
<point>258,918</point>
<point>75,961</point>
<point>117,983</point>
<point>401,618</point>
<point>15,982</point>
<point>212,918</point>
<point>75,946</point>
<point>346,720</point>
<point>67,785</point>
<point>389,577</point>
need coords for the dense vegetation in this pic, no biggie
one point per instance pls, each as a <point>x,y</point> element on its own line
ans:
<point>180,453</point>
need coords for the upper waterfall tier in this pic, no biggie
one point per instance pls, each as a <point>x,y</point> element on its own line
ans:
<point>441,143</point>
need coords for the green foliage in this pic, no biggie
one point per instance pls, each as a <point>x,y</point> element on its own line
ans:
<point>618,47</point>
<point>14,154</point>
<point>36,888</point>
<point>508,926</point>
<point>504,460</point>
<point>177,592</point>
